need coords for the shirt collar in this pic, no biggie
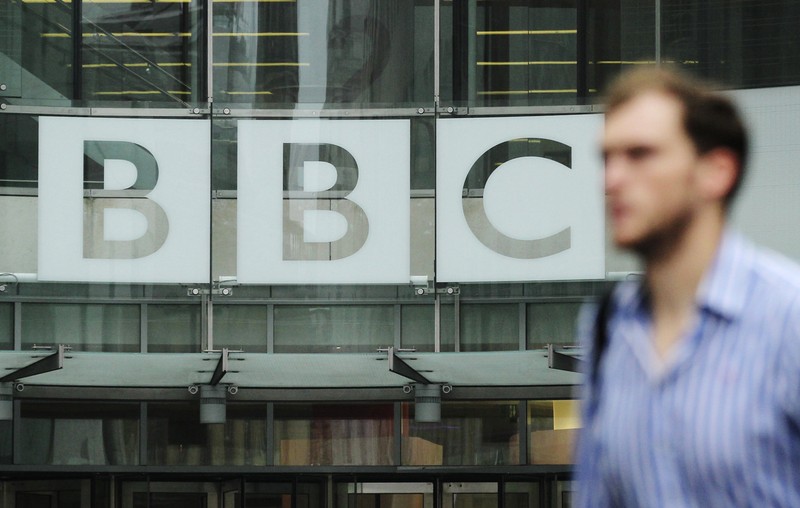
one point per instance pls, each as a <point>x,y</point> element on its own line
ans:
<point>723,289</point>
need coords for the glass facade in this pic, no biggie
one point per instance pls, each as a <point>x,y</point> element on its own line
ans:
<point>287,198</point>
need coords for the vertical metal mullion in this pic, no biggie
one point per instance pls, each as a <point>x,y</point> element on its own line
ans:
<point>17,326</point>
<point>270,328</point>
<point>143,328</point>
<point>209,336</point>
<point>582,14</point>
<point>270,423</point>
<point>437,324</point>
<point>501,492</point>
<point>397,456</point>
<point>204,300</point>
<point>77,49</point>
<point>472,52</point>
<point>398,326</point>
<point>209,4</point>
<point>658,31</point>
<point>522,428</point>
<point>457,323</point>
<point>437,12</point>
<point>523,327</point>
<point>143,445</point>
<point>16,435</point>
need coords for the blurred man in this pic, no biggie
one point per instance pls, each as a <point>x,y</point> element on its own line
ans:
<point>693,390</point>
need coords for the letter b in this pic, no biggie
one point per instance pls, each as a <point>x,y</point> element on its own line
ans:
<point>101,240</point>
<point>298,160</point>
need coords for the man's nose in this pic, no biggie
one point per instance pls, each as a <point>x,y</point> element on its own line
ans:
<point>613,173</point>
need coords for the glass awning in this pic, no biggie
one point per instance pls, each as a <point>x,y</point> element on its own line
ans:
<point>261,370</point>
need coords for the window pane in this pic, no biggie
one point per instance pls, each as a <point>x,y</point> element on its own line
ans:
<point>176,436</point>
<point>278,495</point>
<point>47,52</point>
<point>352,434</point>
<point>241,327</point>
<point>489,327</point>
<point>333,329</point>
<point>507,53</point>
<point>85,327</point>
<point>6,326</point>
<point>376,53</point>
<point>469,433</point>
<point>65,433</point>
<point>173,328</point>
<point>621,35</point>
<point>552,323</point>
<point>142,52</point>
<point>741,44</point>
<point>553,426</point>
<point>418,330</point>
<point>522,495</point>
<point>5,443</point>
<point>19,152</point>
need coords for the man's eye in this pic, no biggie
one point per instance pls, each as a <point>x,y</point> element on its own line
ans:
<point>639,152</point>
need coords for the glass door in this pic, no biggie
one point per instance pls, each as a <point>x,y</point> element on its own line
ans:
<point>384,495</point>
<point>523,494</point>
<point>469,495</point>
<point>144,494</point>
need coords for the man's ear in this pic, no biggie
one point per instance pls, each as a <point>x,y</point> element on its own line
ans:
<point>719,170</point>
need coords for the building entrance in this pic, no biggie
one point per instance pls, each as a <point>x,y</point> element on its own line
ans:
<point>285,491</point>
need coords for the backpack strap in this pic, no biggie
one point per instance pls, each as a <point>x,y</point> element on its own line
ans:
<point>604,312</point>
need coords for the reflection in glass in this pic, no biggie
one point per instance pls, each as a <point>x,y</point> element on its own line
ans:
<point>19,151</point>
<point>141,51</point>
<point>738,44</point>
<point>5,443</point>
<point>283,53</point>
<point>241,327</point>
<point>47,51</point>
<point>333,328</point>
<point>173,328</point>
<point>6,326</point>
<point>84,326</point>
<point>552,323</point>
<point>67,433</point>
<point>176,436</point>
<point>61,492</point>
<point>522,495</point>
<point>279,495</point>
<point>469,433</point>
<point>352,434</point>
<point>553,426</point>
<point>418,327</point>
<point>489,327</point>
<point>508,53</point>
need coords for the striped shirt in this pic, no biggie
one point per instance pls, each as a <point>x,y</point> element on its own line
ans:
<point>718,422</point>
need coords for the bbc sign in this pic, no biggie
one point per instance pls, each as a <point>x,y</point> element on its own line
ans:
<point>319,201</point>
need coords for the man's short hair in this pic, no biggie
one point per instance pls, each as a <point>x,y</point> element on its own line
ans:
<point>710,119</point>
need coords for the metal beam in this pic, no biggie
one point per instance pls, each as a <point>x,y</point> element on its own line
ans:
<point>49,363</point>
<point>398,366</point>
<point>222,368</point>
<point>560,361</point>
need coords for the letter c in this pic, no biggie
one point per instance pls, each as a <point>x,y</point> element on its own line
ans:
<point>479,223</point>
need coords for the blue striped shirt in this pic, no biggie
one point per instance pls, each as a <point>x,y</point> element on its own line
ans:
<point>718,422</point>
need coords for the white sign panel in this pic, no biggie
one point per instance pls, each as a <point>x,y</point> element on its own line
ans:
<point>323,201</point>
<point>519,199</point>
<point>152,229</point>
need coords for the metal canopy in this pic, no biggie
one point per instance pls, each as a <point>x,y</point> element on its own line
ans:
<point>561,361</point>
<point>399,366</point>
<point>261,370</point>
<point>49,363</point>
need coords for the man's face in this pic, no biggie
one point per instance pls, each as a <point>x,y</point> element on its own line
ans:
<point>650,171</point>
